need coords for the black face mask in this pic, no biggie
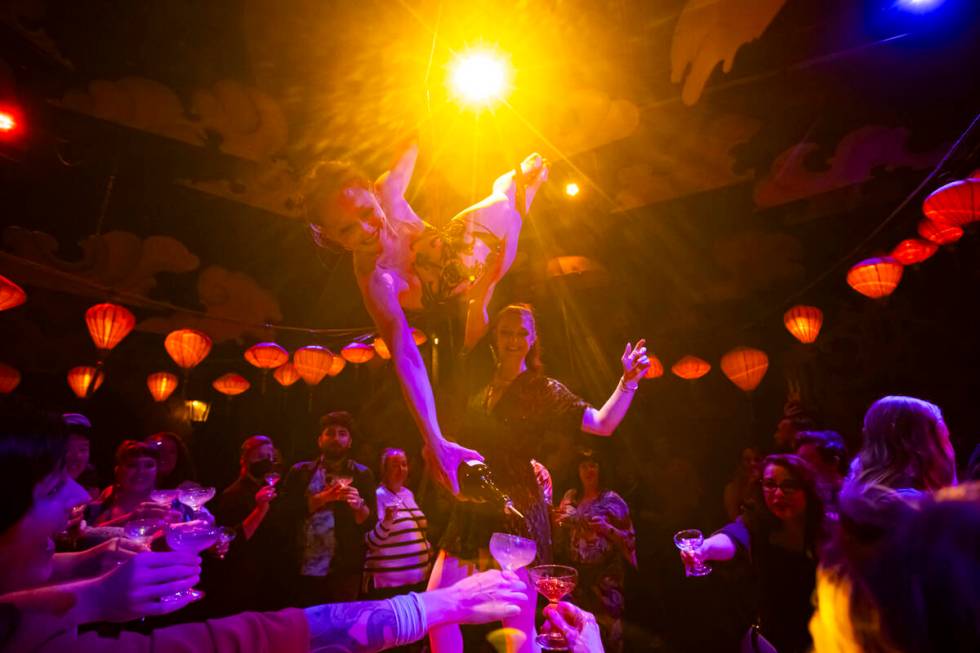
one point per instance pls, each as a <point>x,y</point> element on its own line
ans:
<point>260,468</point>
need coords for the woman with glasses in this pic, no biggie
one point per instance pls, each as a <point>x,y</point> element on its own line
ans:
<point>777,538</point>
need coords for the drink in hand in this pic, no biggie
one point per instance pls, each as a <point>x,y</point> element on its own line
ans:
<point>193,537</point>
<point>476,484</point>
<point>272,479</point>
<point>690,541</point>
<point>553,582</point>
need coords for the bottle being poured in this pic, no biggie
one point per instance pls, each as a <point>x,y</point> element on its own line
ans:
<point>476,484</point>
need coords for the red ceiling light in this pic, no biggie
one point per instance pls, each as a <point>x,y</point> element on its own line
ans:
<point>914,250</point>
<point>745,367</point>
<point>691,367</point>
<point>11,295</point>
<point>955,204</point>
<point>11,122</point>
<point>804,322</point>
<point>875,277</point>
<point>941,234</point>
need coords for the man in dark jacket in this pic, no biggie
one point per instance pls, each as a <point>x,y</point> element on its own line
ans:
<point>327,499</point>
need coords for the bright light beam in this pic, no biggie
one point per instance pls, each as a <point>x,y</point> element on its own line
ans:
<point>479,77</point>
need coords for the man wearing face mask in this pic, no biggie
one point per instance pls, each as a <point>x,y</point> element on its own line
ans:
<point>250,507</point>
<point>326,497</point>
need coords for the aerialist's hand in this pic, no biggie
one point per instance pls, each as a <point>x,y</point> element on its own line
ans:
<point>444,458</point>
<point>635,361</point>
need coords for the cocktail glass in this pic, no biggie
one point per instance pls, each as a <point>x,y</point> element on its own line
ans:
<point>512,552</point>
<point>272,479</point>
<point>142,531</point>
<point>195,496</point>
<point>194,537</point>
<point>225,537</point>
<point>165,498</point>
<point>689,541</point>
<point>553,582</point>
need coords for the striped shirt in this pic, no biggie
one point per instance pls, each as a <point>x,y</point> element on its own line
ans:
<point>398,553</point>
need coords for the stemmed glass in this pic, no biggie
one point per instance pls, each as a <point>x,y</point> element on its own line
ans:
<point>272,479</point>
<point>553,582</point>
<point>193,537</point>
<point>195,496</point>
<point>165,498</point>
<point>142,531</point>
<point>512,552</point>
<point>689,541</point>
<point>225,536</point>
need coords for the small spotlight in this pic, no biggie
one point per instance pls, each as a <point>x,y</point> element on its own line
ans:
<point>572,189</point>
<point>479,77</point>
<point>918,6</point>
<point>9,121</point>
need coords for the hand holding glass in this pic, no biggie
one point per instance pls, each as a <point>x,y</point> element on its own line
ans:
<point>689,542</point>
<point>195,496</point>
<point>272,478</point>
<point>553,582</point>
<point>194,537</point>
<point>511,551</point>
<point>142,531</point>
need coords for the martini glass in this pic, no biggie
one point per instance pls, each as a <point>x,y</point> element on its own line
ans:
<point>512,552</point>
<point>194,537</point>
<point>553,582</point>
<point>195,496</point>
<point>142,531</point>
<point>225,536</point>
<point>165,498</point>
<point>272,479</point>
<point>690,541</point>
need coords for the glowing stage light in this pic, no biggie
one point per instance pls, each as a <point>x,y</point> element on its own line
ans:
<point>918,6</point>
<point>7,122</point>
<point>479,77</point>
<point>10,121</point>
<point>572,189</point>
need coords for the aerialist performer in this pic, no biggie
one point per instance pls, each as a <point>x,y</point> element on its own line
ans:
<point>402,263</point>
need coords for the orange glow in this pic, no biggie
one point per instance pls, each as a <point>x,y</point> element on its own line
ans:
<point>188,347</point>
<point>82,377</point>
<point>337,366</point>
<point>954,204</point>
<point>108,324</point>
<point>656,368</point>
<point>197,410</point>
<point>266,355</point>
<point>11,294</point>
<point>312,363</point>
<point>419,337</point>
<point>9,378</point>
<point>913,250</point>
<point>161,385</point>
<point>939,233</point>
<point>572,189</point>
<point>7,122</point>
<point>745,367</point>
<point>804,322</point>
<point>479,77</point>
<point>231,384</point>
<point>357,352</point>
<point>286,374</point>
<point>875,277</point>
<point>382,348</point>
<point>691,367</point>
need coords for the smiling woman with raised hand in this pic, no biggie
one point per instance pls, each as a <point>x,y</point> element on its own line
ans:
<point>402,263</point>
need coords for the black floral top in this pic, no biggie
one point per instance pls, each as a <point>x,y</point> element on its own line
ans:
<point>509,436</point>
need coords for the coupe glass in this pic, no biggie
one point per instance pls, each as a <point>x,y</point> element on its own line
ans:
<point>194,537</point>
<point>690,541</point>
<point>553,582</point>
<point>225,536</point>
<point>512,552</point>
<point>272,479</point>
<point>142,531</point>
<point>195,496</point>
<point>165,498</point>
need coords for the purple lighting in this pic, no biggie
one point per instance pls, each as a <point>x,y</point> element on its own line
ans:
<point>918,6</point>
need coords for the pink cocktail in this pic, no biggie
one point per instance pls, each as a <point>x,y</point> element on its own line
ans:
<point>553,582</point>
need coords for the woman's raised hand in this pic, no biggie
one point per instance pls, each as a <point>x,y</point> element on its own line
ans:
<point>635,361</point>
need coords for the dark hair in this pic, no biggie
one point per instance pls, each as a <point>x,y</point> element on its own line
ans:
<point>904,446</point>
<point>254,442</point>
<point>533,358</point>
<point>184,469</point>
<point>78,425</point>
<point>129,450</point>
<point>325,180</point>
<point>584,455</point>
<point>919,589</point>
<point>760,520</point>
<point>32,447</point>
<point>829,444</point>
<point>338,418</point>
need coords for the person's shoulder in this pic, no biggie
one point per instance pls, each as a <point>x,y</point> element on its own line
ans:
<point>358,467</point>
<point>303,466</point>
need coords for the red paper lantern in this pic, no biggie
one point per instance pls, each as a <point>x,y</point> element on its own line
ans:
<point>382,348</point>
<point>161,385</point>
<point>419,336</point>
<point>108,324</point>
<point>656,368</point>
<point>188,347</point>
<point>745,367</point>
<point>357,352</point>
<point>954,204</point>
<point>691,367</point>
<point>804,322</point>
<point>286,374</point>
<point>875,277</point>
<point>9,378</point>
<point>231,384</point>
<point>266,355</point>
<point>82,378</point>
<point>337,366</point>
<point>11,294</point>
<point>941,234</point>
<point>313,362</point>
<point>914,250</point>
